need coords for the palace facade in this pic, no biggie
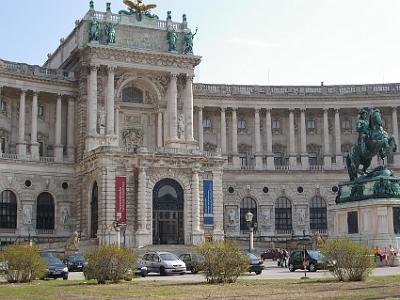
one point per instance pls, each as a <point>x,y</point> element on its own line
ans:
<point>196,157</point>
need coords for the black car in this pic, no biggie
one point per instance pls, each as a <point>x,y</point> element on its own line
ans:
<point>75,263</point>
<point>256,264</point>
<point>314,260</point>
<point>55,268</point>
<point>194,262</point>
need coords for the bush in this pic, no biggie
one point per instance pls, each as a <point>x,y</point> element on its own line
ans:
<point>110,263</point>
<point>223,263</point>
<point>22,263</point>
<point>353,261</point>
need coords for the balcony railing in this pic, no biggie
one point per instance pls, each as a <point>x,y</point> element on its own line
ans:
<point>45,159</point>
<point>284,232</point>
<point>9,156</point>
<point>316,167</point>
<point>319,231</point>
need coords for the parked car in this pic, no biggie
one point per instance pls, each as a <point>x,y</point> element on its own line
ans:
<point>256,264</point>
<point>194,262</point>
<point>55,268</point>
<point>75,263</point>
<point>141,269</point>
<point>314,261</point>
<point>163,263</point>
<point>271,253</point>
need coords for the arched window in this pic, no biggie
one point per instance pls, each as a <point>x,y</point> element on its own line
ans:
<point>94,211</point>
<point>45,212</point>
<point>248,205</point>
<point>132,94</point>
<point>283,214</point>
<point>318,214</point>
<point>8,210</point>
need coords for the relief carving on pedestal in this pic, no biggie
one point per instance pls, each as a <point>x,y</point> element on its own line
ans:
<point>231,218</point>
<point>132,137</point>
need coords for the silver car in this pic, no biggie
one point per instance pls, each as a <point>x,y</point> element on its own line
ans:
<point>163,263</point>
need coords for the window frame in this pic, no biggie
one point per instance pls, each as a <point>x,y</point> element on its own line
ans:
<point>244,208</point>
<point>135,91</point>
<point>318,214</point>
<point>283,214</point>
<point>45,212</point>
<point>8,210</point>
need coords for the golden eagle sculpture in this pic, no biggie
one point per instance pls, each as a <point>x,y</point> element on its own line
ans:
<point>139,6</point>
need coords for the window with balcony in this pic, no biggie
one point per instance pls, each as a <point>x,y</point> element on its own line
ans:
<point>248,205</point>
<point>207,123</point>
<point>283,214</point>
<point>310,124</point>
<point>241,124</point>
<point>243,159</point>
<point>318,214</point>
<point>346,125</point>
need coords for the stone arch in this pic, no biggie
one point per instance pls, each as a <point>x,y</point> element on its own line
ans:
<point>139,81</point>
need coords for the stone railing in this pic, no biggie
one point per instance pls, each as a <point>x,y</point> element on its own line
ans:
<point>284,231</point>
<point>316,167</point>
<point>25,69</point>
<point>282,167</point>
<point>45,159</point>
<point>42,159</point>
<point>333,90</point>
<point>9,156</point>
<point>171,151</point>
<point>319,231</point>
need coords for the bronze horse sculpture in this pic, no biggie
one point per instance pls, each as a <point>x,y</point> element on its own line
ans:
<point>375,141</point>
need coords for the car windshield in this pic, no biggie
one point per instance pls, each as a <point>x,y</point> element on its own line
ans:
<point>52,260</point>
<point>46,254</point>
<point>252,256</point>
<point>76,258</point>
<point>315,254</point>
<point>168,256</point>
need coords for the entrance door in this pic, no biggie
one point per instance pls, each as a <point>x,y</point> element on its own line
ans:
<point>168,213</point>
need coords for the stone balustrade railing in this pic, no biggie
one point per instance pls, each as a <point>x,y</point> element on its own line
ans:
<point>26,69</point>
<point>42,159</point>
<point>331,90</point>
<point>172,151</point>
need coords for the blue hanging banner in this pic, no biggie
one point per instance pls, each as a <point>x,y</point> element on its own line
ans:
<point>208,202</point>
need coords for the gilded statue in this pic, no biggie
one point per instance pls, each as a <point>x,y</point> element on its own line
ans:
<point>139,9</point>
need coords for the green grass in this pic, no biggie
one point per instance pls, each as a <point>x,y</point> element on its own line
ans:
<point>374,288</point>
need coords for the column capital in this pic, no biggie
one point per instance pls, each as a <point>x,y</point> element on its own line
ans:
<point>292,110</point>
<point>174,75</point>
<point>393,107</point>
<point>257,110</point>
<point>268,109</point>
<point>23,91</point>
<point>111,68</point>
<point>59,96</point>
<point>303,109</point>
<point>94,67</point>
<point>326,109</point>
<point>35,93</point>
<point>234,108</point>
<point>337,110</point>
<point>222,108</point>
<point>199,107</point>
<point>190,77</point>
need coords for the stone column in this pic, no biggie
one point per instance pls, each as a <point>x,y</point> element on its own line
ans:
<point>116,119</point>
<point>218,233</point>
<point>197,234</point>
<point>200,117</point>
<point>110,123</point>
<point>1,150</point>
<point>338,140</point>
<point>70,129</point>
<point>21,144</point>
<point>142,234</point>
<point>58,147</point>
<point>34,142</point>
<point>257,137</point>
<point>303,140</point>
<point>395,132</point>
<point>173,109</point>
<point>235,154</point>
<point>292,149</point>
<point>92,101</point>
<point>188,108</point>
<point>327,153</point>
<point>268,136</point>
<point>223,132</point>
<point>159,129</point>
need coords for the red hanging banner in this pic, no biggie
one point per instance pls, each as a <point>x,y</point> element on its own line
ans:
<point>120,200</point>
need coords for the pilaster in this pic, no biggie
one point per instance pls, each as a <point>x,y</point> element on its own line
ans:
<point>257,137</point>
<point>200,127</point>
<point>338,140</point>
<point>327,154</point>
<point>292,151</point>
<point>70,129</point>
<point>235,154</point>
<point>58,147</point>
<point>188,109</point>
<point>268,136</point>
<point>303,140</point>
<point>34,142</point>
<point>21,144</point>
<point>110,123</point>
<point>218,234</point>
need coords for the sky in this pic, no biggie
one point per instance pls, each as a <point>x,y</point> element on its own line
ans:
<point>262,42</point>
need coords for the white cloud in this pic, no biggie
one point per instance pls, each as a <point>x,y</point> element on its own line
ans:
<point>254,44</point>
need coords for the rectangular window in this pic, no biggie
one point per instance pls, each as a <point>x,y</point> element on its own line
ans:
<point>312,159</point>
<point>311,124</point>
<point>3,105</point>
<point>346,124</point>
<point>352,222</point>
<point>3,145</point>
<point>396,220</point>
<point>40,110</point>
<point>243,158</point>
<point>41,147</point>
<point>206,123</point>
<point>276,124</point>
<point>241,124</point>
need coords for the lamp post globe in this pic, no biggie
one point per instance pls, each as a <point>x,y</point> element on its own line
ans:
<point>249,218</point>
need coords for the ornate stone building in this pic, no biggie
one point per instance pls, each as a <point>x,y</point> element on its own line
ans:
<point>117,99</point>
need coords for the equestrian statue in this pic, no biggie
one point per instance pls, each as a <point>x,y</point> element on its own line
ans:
<point>372,140</point>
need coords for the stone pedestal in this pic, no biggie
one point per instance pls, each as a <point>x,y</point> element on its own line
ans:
<point>293,162</point>
<point>304,162</point>
<point>58,153</point>
<point>21,149</point>
<point>143,239</point>
<point>71,153</point>
<point>327,162</point>
<point>259,162</point>
<point>35,151</point>
<point>236,161</point>
<point>270,162</point>
<point>197,237</point>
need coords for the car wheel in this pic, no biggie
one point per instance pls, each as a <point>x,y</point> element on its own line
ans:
<point>65,277</point>
<point>193,270</point>
<point>258,272</point>
<point>291,268</point>
<point>162,271</point>
<point>312,268</point>
<point>143,273</point>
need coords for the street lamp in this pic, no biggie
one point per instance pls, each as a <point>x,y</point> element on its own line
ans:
<point>249,218</point>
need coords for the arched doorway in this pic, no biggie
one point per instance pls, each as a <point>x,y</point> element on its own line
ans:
<point>168,213</point>
<point>94,211</point>
<point>45,212</point>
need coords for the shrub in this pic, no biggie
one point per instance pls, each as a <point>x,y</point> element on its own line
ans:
<point>23,263</point>
<point>110,263</point>
<point>223,263</point>
<point>353,261</point>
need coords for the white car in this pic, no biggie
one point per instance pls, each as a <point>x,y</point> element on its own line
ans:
<point>163,263</point>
